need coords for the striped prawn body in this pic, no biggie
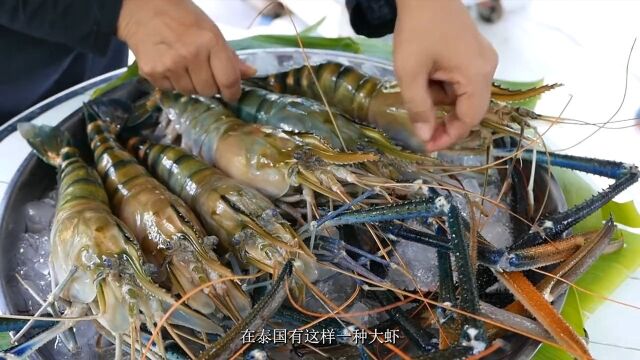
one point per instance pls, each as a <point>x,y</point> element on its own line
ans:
<point>170,235</point>
<point>245,221</point>
<point>362,97</point>
<point>379,102</point>
<point>262,157</point>
<point>95,261</point>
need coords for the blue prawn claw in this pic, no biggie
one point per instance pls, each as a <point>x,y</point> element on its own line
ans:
<point>335,251</point>
<point>553,226</point>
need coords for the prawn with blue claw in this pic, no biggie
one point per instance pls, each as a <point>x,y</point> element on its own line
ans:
<point>200,226</point>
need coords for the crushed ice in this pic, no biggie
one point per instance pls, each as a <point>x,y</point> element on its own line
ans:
<point>32,265</point>
<point>495,225</point>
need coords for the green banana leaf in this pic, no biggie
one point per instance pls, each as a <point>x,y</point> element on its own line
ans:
<point>130,73</point>
<point>5,341</point>
<point>313,28</point>
<point>606,274</point>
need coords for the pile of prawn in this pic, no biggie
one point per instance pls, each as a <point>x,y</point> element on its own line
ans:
<point>200,223</point>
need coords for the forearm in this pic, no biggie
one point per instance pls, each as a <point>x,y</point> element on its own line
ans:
<point>85,24</point>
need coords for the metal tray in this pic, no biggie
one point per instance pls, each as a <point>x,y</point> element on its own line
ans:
<point>34,178</point>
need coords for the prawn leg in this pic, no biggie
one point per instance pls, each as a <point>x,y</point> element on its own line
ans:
<point>553,226</point>
<point>27,348</point>
<point>472,334</point>
<point>256,319</point>
<point>335,251</point>
<point>421,338</point>
<point>52,297</point>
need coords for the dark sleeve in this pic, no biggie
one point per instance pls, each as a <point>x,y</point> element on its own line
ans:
<point>84,24</point>
<point>372,18</point>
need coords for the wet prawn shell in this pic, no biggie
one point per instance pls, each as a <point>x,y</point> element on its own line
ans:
<point>78,180</point>
<point>300,115</point>
<point>164,225</point>
<point>83,235</point>
<point>362,97</point>
<point>206,190</point>
<point>385,114</point>
<point>262,254</point>
<point>155,216</point>
<point>115,316</point>
<point>261,159</point>
<point>343,86</point>
<point>184,271</point>
<point>218,217</point>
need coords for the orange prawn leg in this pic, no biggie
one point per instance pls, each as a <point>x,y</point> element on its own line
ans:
<point>537,305</point>
<point>571,268</point>
<point>500,93</point>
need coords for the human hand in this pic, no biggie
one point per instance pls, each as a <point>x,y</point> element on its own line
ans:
<point>438,49</point>
<point>178,47</point>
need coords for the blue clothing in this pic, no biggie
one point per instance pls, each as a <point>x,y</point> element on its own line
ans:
<point>50,45</point>
<point>372,18</point>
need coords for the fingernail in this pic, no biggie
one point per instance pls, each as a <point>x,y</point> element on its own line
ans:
<point>430,148</point>
<point>250,68</point>
<point>423,131</point>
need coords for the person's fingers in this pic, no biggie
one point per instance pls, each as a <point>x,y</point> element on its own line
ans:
<point>155,74</point>
<point>246,70</point>
<point>163,83</point>
<point>442,93</point>
<point>471,105</point>
<point>202,76</point>
<point>181,81</point>
<point>160,82</point>
<point>447,133</point>
<point>226,72</point>
<point>414,84</point>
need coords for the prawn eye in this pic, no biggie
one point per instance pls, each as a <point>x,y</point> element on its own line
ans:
<point>149,269</point>
<point>210,242</point>
<point>238,238</point>
<point>299,155</point>
<point>89,258</point>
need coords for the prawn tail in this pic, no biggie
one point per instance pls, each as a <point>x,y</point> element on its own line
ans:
<point>46,141</point>
<point>127,119</point>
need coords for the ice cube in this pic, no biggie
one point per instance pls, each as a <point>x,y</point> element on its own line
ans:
<point>39,215</point>
<point>421,262</point>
